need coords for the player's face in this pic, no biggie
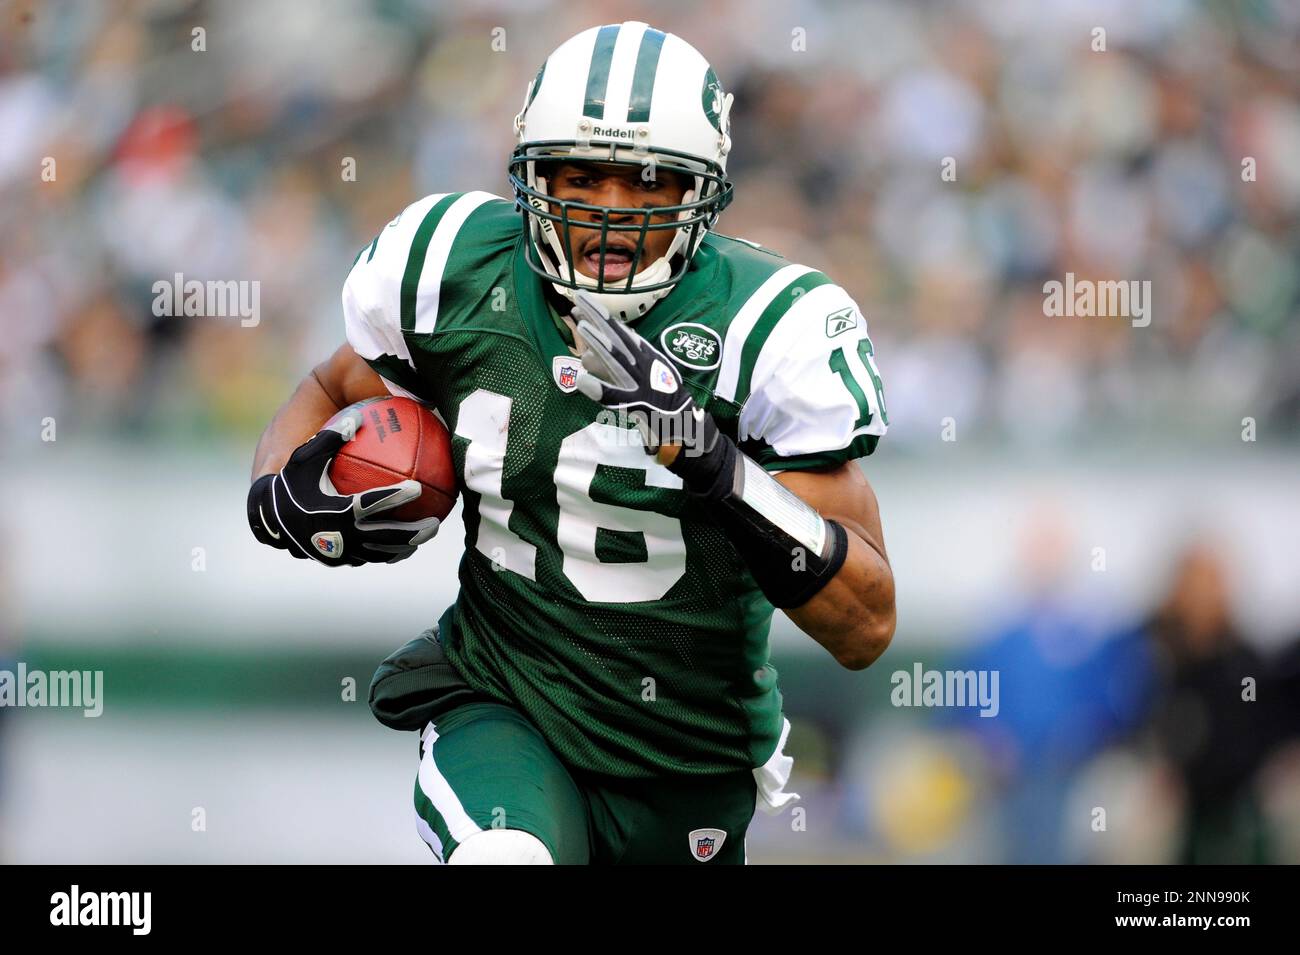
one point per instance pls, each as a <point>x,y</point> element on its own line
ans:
<point>609,184</point>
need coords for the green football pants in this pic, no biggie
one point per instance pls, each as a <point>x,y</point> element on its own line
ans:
<point>484,765</point>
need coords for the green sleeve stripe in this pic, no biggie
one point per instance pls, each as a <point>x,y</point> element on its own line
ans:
<point>373,245</point>
<point>476,264</point>
<point>766,456</point>
<point>415,260</point>
<point>602,55</point>
<point>643,77</point>
<point>757,337</point>
<point>396,370</point>
<point>486,227</point>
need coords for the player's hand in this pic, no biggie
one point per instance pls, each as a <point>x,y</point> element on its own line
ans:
<point>299,509</point>
<point>628,375</point>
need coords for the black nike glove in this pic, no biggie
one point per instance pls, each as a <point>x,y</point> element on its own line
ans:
<point>628,375</point>
<point>300,511</point>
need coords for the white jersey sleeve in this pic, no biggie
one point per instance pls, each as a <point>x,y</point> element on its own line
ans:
<point>372,299</point>
<point>815,396</point>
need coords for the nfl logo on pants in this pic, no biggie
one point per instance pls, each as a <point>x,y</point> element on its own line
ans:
<point>705,843</point>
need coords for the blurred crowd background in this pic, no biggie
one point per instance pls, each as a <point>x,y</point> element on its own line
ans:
<point>231,162</point>
<point>226,163</point>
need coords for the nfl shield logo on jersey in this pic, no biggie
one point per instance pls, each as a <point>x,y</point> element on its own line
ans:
<point>705,843</point>
<point>566,372</point>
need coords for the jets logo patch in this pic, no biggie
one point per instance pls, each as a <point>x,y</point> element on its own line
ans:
<point>706,843</point>
<point>565,369</point>
<point>692,345</point>
<point>839,322</point>
<point>329,543</point>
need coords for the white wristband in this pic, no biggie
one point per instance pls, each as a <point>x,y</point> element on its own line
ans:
<point>776,503</point>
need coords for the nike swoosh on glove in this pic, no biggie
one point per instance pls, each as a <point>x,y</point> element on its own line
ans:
<point>300,510</point>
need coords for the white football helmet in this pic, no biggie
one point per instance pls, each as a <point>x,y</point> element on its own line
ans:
<point>631,95</point>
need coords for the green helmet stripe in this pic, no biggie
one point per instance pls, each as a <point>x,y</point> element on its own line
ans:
<point>711,99</point>
<point>537,85</point>
<point>643,78</point>
<point>598,74</point>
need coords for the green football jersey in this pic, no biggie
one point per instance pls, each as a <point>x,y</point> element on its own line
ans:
<point>595,596</point>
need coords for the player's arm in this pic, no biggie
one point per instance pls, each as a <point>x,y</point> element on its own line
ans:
<point>852,616</point>
<point>292,505</point>
<point>841,592</point>
<point>814,547</point>
<point>342,379</point>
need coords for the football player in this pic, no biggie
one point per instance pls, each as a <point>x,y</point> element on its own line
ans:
<point>655,430</point>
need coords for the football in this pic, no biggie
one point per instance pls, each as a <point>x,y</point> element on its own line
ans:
<point>398,438</point>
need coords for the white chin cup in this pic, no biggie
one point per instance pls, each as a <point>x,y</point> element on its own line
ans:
<point>625,306</point>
